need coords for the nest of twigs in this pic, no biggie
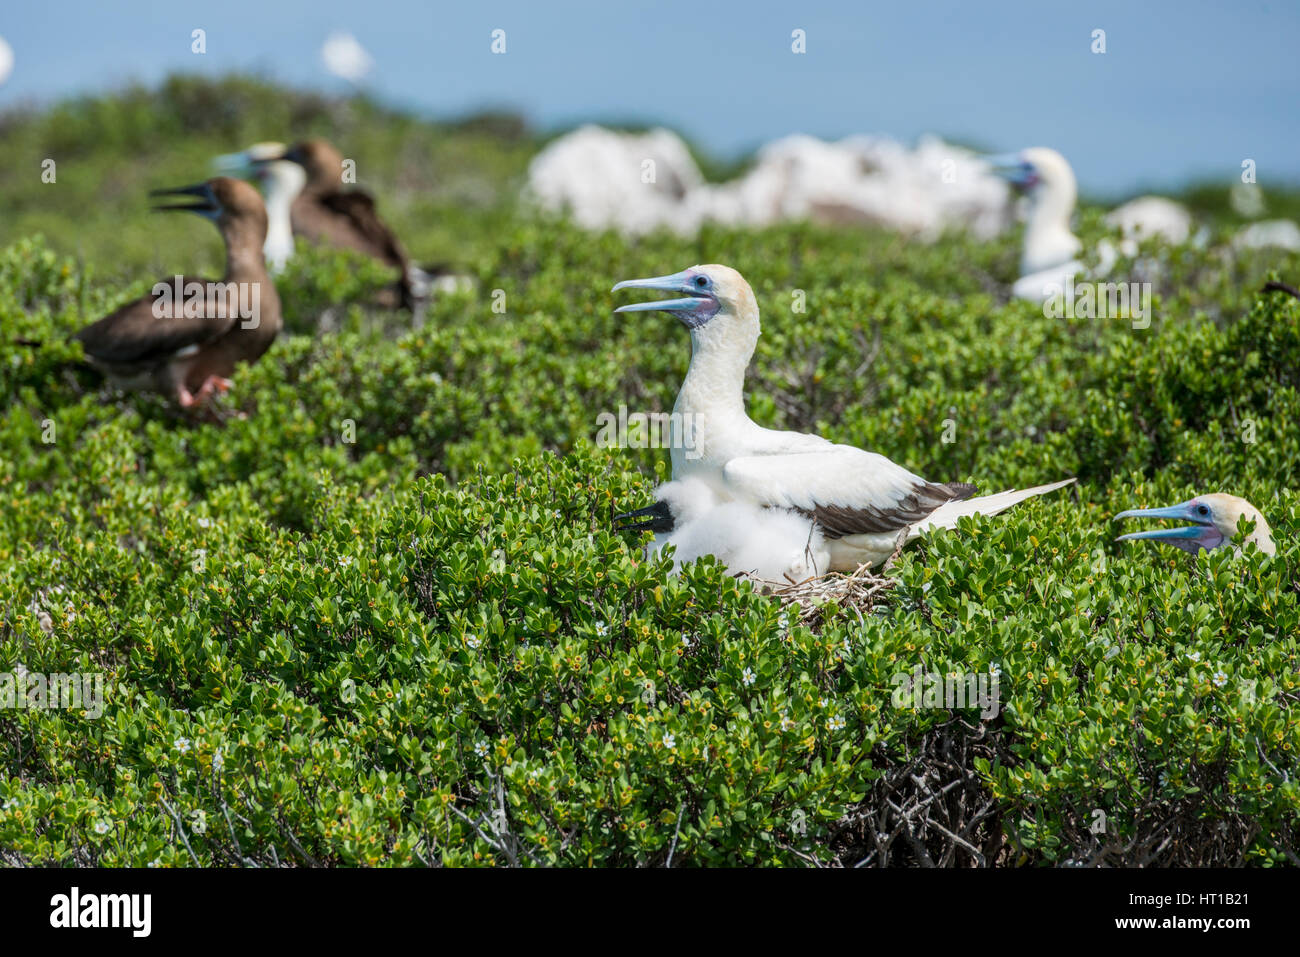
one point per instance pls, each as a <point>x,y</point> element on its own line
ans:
<point>859,593</point>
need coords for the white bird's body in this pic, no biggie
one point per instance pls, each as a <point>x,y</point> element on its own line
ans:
<point>865,506</point>
<point>768,545</point>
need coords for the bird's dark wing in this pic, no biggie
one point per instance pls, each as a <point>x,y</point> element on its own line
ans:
<point>358,208</point>
<point>156,327</point>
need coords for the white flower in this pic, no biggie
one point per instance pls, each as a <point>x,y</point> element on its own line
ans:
<point>747,676</point>
<point>182,745</point>
<point>345,561</point>
<point>602,629</point>
<point>154,863</point>
<point>670,741</point>
<point>473,641</point>
<point>823,702</point>
<point>1220,679</point>
<point>218,760</point>
<point>1195,656</point>
<point>205,523</point>
<point>995,669</point>
<point>686,641</point>
<point>835,723</point>
<point>481,749</point>
<point>101,827</point>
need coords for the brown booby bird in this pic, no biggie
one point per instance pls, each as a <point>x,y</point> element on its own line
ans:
<point>1214,521</point>
<point>186,337</point>
<point>322,212</point>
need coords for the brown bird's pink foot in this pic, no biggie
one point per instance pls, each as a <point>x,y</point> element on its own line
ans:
<point>212,385</point>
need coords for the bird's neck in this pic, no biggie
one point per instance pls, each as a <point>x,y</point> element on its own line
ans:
<point>714,386</point>
<point>244,257</point>
<point>279,230</point>
<point>1048,239</point>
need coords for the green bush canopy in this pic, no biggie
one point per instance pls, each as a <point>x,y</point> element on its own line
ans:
<point>373,609</point>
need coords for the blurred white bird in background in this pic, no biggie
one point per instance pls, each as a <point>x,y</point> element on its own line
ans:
<point>345,57</point>
<point>6,60</point>
<point>638,182</point>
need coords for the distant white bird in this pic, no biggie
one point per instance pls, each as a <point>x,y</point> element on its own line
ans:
<point>281,181</point>
<point>1214,521</point>
<point>345,57</point>
<point>638,182</point>
<point>6,60</point>
<point>1281,233</point>
<point>1050,254</point>
<point>1149,216</point>
<point>865,506</point>
<point>766,544</point>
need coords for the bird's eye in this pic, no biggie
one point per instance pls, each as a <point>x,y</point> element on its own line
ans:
<point>702,282</point>
<point>1202,510</point>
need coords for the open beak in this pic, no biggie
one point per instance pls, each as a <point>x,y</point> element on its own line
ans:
<point>1013,168</point>
<point>205,203</point>
<point>1182,537</point>
<point>696,306</point>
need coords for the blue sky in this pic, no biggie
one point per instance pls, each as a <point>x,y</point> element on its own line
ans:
<point>1186,90</point>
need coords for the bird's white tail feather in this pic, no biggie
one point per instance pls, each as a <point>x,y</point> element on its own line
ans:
<point>945,516</point>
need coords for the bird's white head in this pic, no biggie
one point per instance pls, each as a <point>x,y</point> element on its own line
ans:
<point>1039,171</point>
<point>1214,519</point>
<point>1047,180</point>
<point>716,305</point>
<point>280,179</point>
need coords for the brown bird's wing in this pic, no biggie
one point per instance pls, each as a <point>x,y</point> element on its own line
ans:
<point>140,334</point>
<point>837,521</point>
<point>370,234</point>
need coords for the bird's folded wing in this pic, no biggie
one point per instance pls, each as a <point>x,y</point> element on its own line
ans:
<point>847,491</point>
<point>147,330</point>
<point>358,207</point>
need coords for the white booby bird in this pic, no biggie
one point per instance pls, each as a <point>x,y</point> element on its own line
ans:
<point>865,506</point>
<point>1214,521</point>
<point>189,344</point>
<point>1050,252</point>
<point>769,545</point>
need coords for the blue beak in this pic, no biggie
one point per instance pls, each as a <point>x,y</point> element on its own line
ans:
<point>1013,168</point>
<point>677,282</point>
<point>1184,511</point>
<point>695,308</point>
